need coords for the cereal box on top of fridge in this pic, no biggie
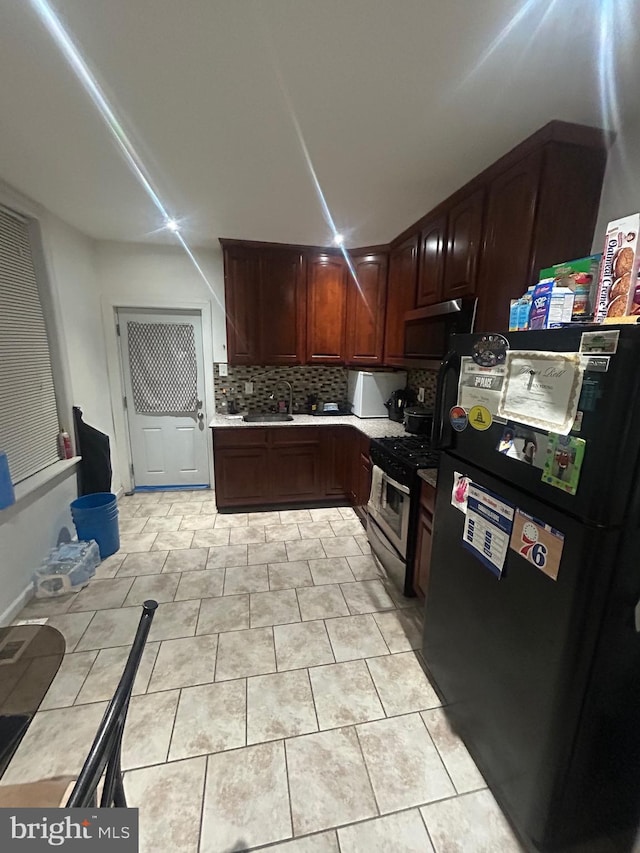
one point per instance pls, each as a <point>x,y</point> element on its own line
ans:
<point>619,270</point>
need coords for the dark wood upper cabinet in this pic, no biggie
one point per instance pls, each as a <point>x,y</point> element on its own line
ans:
<point>326,309</point>
<point>366,297</point>
<point>432,247</point>
<point>508,237</point>
<point>401,297</point>
<point>241,295</point>
<point>282,307</point>
<point>463,246</point>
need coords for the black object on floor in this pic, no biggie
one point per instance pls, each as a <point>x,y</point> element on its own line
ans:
<point>95,467</point>
<point>12,729</point>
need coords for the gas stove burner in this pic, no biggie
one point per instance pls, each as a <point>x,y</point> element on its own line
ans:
<point>411,452</point>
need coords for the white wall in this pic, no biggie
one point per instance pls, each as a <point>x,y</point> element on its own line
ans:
<point>131,273</point>
<point>71,302</point>
<point>147,276</point>
<point>71,261</point>
<point>27,531</point>
<point>621,188</point>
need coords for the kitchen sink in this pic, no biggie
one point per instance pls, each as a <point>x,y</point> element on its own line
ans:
<point>266,417</point>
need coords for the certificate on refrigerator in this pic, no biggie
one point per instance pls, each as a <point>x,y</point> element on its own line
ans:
<point>542,389</point>
<point>480,386</point>
<point>487,527</point>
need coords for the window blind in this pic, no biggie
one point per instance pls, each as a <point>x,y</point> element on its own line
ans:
<point>28,412</point>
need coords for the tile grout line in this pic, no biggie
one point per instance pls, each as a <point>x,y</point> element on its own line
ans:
<point>313,699</point>
<point>366,767</point>
<point>286,772</point>
<point>202,802</point>
<point>439,754</point>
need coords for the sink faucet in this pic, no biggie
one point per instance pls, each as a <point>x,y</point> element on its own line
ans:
<point>272,396</point>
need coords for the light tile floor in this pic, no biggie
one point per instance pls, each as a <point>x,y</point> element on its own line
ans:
<point>279,696</point>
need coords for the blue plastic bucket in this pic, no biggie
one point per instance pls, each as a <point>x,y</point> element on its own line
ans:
<point>7,495</point>
<point>96,517</point>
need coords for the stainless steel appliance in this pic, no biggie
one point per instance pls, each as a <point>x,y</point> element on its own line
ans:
<point>393,504</point>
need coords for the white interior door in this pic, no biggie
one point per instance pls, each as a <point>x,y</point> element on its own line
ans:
<point>163,371</point>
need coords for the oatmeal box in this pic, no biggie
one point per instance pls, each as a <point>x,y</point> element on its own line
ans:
<point>619,270</point>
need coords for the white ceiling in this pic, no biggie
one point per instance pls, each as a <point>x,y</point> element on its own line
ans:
<point>398,102</point>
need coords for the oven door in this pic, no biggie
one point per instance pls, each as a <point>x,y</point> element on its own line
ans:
<point>389,507</point>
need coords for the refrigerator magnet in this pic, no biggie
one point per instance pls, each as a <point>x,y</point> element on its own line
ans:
<point>605,342</point>
<point>564,462</point>
<point>490,350</point>
<point>459,491</point>
<point>539,543</point>
<point>487,527</point>
<point>480,418</point>
<point>458,418</point>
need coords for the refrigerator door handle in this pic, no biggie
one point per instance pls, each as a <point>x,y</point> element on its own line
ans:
<point>441,430</point>
<point>636,614</point>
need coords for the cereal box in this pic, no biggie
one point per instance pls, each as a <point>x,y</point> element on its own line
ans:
<point>617,295</point>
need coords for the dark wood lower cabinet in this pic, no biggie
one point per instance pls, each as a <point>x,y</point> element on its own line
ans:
<point>276,466</point>
<point>294,472</point>
<point>422,563</point>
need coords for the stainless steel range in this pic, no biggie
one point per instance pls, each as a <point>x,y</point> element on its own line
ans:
<point>393,504</point>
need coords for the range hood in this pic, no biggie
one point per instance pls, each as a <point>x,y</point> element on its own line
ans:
<point>427,330</point>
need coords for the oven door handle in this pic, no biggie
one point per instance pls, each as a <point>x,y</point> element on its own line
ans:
<point>387,479</point>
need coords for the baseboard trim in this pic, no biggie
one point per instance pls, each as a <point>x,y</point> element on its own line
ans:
<point>10,613</point>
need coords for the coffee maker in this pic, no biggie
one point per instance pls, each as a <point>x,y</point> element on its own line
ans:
<point>397,403</point>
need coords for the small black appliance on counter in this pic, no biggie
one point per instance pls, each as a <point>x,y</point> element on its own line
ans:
<point>397,403</point>
<point>418,419</point>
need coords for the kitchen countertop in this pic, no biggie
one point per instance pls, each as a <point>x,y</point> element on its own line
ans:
<point>429,475</point>
<point>371,427</point>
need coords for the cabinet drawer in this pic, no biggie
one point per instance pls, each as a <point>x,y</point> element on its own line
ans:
<point>239,437</point>
<point>286,436</point>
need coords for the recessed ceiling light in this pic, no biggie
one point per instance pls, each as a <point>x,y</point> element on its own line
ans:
<point>338,239</point>
<point>172,225</point>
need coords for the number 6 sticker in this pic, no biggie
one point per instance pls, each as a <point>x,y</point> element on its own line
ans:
<point>538,542</point>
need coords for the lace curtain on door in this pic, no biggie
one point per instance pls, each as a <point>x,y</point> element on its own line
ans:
<point>162,361</point>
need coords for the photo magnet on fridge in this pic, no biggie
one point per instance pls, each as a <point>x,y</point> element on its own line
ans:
<point>564,461</point>
<point>524,444</point>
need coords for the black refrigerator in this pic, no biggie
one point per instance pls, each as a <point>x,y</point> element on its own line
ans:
<point>541,677</point>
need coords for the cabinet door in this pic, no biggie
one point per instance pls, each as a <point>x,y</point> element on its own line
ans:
<point>282,307</point>
<point>423,553</point>
<point>295,472</point>
<point>432,243</point>
<point>366,300</point>
<point>364,480</point>
<point>401,297</point>
<point>338,451</point>
<point>241,296</point>
<point>463,246</point>
<point>326,309</point>
<point>508,236</point>
<point>241,476</point>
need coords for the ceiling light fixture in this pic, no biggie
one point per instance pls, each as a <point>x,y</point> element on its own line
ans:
<point>338,239</point>
<point>172,225</point>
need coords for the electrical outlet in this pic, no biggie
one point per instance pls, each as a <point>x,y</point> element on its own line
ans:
<point>421,395</point>
<point>223,369</point>
<point>248,388</point>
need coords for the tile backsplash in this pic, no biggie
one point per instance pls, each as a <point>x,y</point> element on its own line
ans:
<point>426,379</point>
<point>329,384</point>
